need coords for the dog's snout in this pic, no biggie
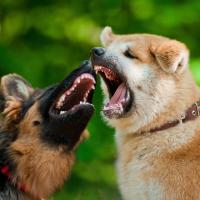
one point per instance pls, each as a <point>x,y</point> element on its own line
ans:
<point>86,64</point>
<point>98,51</point>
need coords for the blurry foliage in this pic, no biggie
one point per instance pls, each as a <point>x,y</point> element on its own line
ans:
<point>43,40</point>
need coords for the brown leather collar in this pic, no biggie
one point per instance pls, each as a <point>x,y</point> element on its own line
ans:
<point>191,114</point>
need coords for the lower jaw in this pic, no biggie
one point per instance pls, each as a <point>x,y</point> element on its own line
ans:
<point>119,109</point>
<point>116,113</point>
<point>112,114</point>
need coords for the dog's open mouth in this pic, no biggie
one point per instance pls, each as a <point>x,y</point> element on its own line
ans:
<point>119,94</point>
<point>79,94</point>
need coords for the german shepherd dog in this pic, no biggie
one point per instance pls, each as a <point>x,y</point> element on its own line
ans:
<point>40,129</point>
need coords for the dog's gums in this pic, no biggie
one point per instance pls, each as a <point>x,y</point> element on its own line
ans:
<point>119,93</point>
<point>78,94</point>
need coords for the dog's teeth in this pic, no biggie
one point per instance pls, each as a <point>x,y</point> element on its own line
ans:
<point>72,89</point>
<point>62,98</point>
<point>106,108</point>
<point>68,93</point>
<point>93,87</point>
<point>93,80</point>
<point>58,106</point>
<point>62,112</point>
<point>60,102</point>
<point>128,95</point>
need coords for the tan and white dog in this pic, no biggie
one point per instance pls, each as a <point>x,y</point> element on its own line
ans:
<point>152,101</point>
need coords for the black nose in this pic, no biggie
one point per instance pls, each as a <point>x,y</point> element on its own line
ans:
<point>98,51</point>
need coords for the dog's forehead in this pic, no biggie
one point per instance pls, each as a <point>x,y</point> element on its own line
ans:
<point>123,42</point>
<point>120,45</point>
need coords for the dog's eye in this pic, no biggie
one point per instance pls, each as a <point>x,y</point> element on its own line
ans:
<point>36,123</point>
<point>129,54</point>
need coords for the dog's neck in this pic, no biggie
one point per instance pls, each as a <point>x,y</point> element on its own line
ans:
<point>192,113</point>
<point>182,104</point>
<point>167,139</point>
<point>185,95</point>
<point>6,181</point>
<point>7,176</point>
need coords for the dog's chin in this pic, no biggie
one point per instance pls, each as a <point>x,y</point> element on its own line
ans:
<point>119,111</point>
<point>119,101</point>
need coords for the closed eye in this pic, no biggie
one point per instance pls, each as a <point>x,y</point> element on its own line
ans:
<point>129,54</point>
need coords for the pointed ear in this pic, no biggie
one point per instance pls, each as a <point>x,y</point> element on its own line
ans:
<point>15,87</point>
<point>172,56</point>
<point>14,91</point>
<point>106,36</point>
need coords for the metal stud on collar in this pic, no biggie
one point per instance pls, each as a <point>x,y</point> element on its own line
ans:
<point>198,108</point>
<point>181,118</point>
<point>193,112</point>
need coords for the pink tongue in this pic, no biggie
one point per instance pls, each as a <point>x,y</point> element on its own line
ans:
<point>119,95</point>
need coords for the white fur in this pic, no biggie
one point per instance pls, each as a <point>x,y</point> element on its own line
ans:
<point>131,179</point>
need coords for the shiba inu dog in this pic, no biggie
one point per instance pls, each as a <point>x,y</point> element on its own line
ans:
<point>40,129</point>
<point>153,103</point>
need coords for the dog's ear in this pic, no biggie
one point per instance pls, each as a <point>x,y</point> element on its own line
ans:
<point>106,36</point>
<point>16,87</point>
<point>14,91</point>
<point>172,56</point>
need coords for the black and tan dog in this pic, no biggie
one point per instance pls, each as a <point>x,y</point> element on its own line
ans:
<point>39,130</point>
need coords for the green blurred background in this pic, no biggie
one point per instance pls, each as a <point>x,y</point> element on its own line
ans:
<point>43,40</point>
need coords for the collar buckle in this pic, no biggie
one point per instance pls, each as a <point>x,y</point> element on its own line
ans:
<point>181,118</point>
<point>197,108</point>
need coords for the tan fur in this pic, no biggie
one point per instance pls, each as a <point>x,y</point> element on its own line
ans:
<point>13,108</point>
<point>163,165</point>
<point>43,169</point>
<point>40,166</point>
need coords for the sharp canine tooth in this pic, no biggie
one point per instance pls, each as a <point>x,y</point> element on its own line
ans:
<point>62,112</point>
<point>62,98</point>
